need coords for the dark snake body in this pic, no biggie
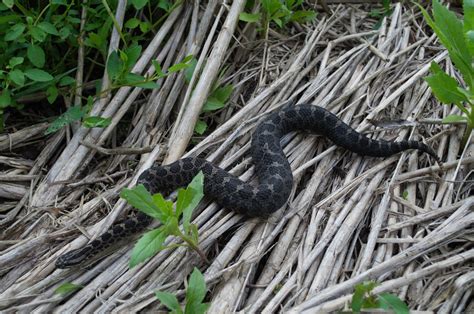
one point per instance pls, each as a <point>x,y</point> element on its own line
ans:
<point>271,166</point>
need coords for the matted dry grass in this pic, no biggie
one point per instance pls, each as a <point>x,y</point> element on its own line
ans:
<point>400,221</point>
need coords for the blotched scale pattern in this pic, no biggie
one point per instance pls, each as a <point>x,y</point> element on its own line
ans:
<point>271,166</point>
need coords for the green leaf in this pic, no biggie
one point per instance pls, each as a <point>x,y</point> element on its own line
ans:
<point>358,298</point>
<point>213,104</point>
<point>182,65</point>
<point>8,3</point>
<point>72,114</point>
<point>147,85</point>
<point>14,61</point>
<point>64,32</point>
<point>158,69</point>
<point>171,226</point>
<point>52,93</point>
<point>405,195</point>
<point>193,194</point>
<point>114,65</point>
<point>150,243</point>
<point>132,23</point>
<point>5,99</point>
<point>165,5</point>
<point>189,71</point>
<point>66,80</point>
<point>38,75</point>
<point>15,32</point>
<point>454,118</point>
<point>133,53</point>
<point>67,287</point>
<point>96,122</point>
<point>138,4</point>
<point>200,127</point>
<point>303,16</point>
<point>142,200</point>
<point>449,30</point>
<point>195,293</point>
<point>169,300</point>
<point>48,28</point>
<point>468,6</point>
<point>444,86</point>
<point>17,76</point>
<point>36,55</point>
<point>165,206</point>
<point>37,33</point>
<point>250,17</point>
<point>390,301</point>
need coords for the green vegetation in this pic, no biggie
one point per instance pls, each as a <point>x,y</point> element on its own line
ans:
<point>280,12</point>
<point>381,13</point>
<point>458,38</point>
<point>39,44</point>
<point>364,299</point>
<point>195,294</point>
<point>157,207</point>
<point>67,287</point>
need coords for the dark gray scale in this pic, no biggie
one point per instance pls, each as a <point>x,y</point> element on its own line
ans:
<point>271,167</point>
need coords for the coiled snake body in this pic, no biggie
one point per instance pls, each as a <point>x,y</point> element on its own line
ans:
<point>271,166</point>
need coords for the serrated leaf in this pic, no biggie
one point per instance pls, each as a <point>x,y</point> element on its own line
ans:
<point>454,118</point>
<point>96,122</point>
<point>142,200</point>
<point>449,30</point>
<point>48,28</point>
<point>250,17</point>
<point>15,32</point>
<point>195,293</point>
<point>200,127</point>
<point>36,55</point>
<point>52,93</point>
<point>169,300</point>
<point>67,287</point>
<point>147,246</point>
<point>38,75</point>
<point>390,301</point>
<point>444,86</point>
<point>165,206</point>
<point>17,76</point>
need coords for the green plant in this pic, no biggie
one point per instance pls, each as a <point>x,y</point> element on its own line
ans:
<point>458,38</point>
<point>364,299</point>
<point>381,13</point>
<point>195,294</point>
<point>67,287</point>
<point>157,207</point>
<point>280,12</point>
<point>215,101</point>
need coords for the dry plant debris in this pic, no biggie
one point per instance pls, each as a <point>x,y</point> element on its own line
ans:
<point>400,221</point>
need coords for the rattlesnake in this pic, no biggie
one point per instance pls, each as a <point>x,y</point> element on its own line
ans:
<point>271,166</point>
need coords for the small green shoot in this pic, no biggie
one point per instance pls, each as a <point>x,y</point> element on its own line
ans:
<point>67,287</point>
<point>458,38</point>
<point>380,14</point>
<point>157,207</point>
<point>280,12</point>
<point>195,294</point>
<point>364,299</point>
